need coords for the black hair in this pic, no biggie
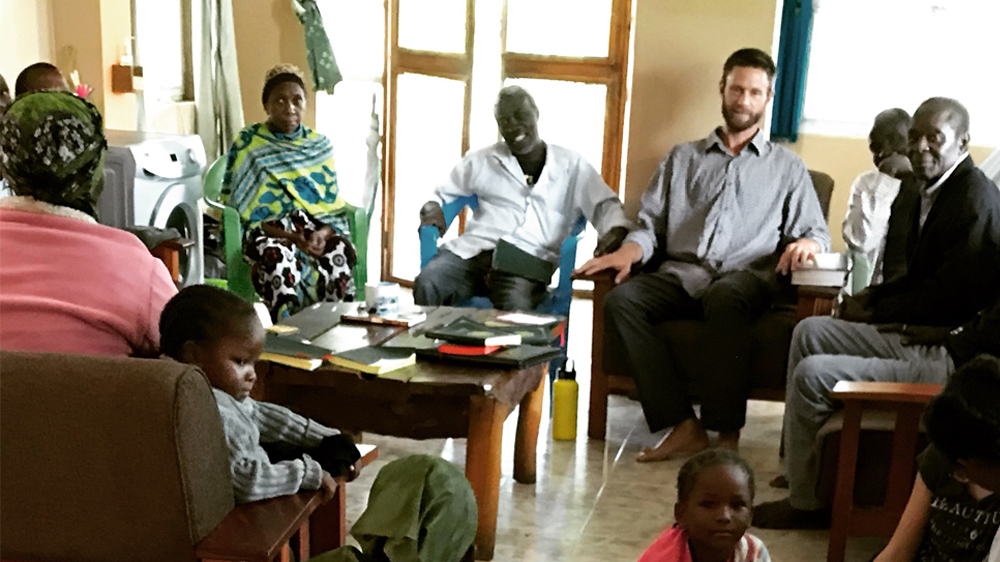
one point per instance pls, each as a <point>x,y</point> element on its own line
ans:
<point>692,469</point>
<point>200,313</point>
<point>894,126</point>
<point>278,79</point>
<point>957,114</point>
<point>964,420</point>
<point>26,79</point>
<point>516,91</point>
<point>752,58</point>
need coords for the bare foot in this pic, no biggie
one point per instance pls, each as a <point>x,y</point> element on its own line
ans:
<point>686,437</point>
<point>729,440</point>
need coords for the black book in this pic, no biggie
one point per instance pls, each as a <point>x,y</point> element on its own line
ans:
<point>466,331</point>
<point>518,357</point>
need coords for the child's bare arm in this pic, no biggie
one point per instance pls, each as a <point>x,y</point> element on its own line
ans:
<point>909,533</point>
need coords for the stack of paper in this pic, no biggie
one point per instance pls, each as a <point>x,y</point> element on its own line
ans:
<point>826,270</point>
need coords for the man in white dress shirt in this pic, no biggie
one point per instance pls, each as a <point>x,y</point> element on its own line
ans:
<point>530,195</point>
<point>873,192</point>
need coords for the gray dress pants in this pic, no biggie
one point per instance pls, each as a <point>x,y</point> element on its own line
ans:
<point>825,351</point>
<point>449,279</point>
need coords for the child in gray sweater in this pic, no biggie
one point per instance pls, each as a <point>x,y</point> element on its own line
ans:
<point>220,333</point>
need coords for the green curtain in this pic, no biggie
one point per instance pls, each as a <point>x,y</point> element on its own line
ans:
<point>319,52</point>
<point>793,62</point>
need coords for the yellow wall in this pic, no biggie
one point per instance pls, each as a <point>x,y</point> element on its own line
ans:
<point>268,33</point>
<point>844,158</point>
<point>25,36</point>
<point>680,46</point>
<point>89,36</point>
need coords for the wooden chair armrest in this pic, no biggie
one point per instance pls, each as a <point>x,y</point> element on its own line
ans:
<point>368,453</point>
<point>885,392</point>
<point>815,301</point>
<point>257,530</point>
<point>177,244</point>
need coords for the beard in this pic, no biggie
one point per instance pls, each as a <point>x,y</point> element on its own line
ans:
<point>739,122</point>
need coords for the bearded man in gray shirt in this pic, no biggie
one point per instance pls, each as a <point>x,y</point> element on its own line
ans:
<point>726,214</point>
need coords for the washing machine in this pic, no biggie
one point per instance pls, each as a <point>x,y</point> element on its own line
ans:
<point>155,180</point>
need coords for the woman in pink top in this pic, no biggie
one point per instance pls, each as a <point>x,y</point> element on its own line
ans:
<point>68,284</point>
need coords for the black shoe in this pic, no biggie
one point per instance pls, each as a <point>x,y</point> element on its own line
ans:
<point>781,515</point>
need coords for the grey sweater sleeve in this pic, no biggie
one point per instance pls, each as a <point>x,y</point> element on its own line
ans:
<point>254,476</point>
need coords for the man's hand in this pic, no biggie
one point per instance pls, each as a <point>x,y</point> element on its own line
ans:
<point>917,335</point>
<point>432,214</point>
<point>328,486</point>
<point>620,260</point>
<point>797,254</point>
<point>895,165</point>
<point>611,241</point>
<point>854,309</point>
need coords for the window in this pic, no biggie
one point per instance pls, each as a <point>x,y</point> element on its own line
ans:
<point>163,49</point>
<point>447,61</point>
<point>870,55</point>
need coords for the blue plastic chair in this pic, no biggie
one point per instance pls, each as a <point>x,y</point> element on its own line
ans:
<point>558,299</point>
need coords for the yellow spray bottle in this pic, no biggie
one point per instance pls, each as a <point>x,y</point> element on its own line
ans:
<point>565,393</point>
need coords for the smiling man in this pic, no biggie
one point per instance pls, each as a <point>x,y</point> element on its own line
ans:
<point>952,252</point>
<point>721,216</point>
<point>530,194</point>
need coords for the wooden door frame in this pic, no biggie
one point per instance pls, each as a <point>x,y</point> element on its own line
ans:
<point>612,71</point>
<point>399,60</point>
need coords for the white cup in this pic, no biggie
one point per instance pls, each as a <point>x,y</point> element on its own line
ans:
<point>384,297</point>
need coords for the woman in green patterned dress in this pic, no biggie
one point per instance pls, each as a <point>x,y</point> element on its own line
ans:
<point>280,177</point>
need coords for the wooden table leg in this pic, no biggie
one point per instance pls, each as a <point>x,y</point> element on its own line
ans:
<point>526,442</point>
<point>328,524</point>
<point>482,467</point>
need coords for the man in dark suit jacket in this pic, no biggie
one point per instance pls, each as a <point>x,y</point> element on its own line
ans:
<point>949,230</point>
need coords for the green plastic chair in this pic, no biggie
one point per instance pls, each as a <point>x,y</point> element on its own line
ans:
<point>238,278</point>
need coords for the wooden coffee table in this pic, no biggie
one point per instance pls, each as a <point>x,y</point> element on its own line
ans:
<point>429,400</point>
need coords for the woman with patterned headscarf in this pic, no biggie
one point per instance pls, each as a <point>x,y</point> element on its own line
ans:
<point>280,177</point>
<point>69,284</point>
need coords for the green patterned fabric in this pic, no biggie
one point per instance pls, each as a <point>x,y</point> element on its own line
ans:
<point>322,64</point>
<point>268,175</point>
<point>421,509</point>
<point>52,148</point>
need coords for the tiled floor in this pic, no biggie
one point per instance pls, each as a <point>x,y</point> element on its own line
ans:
<point>592,501</point>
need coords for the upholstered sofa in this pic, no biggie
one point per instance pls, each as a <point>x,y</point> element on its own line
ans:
<point>121,459</point>
<point>771,337</point>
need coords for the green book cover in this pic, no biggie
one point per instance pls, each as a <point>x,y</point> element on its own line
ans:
<point>374,360</point>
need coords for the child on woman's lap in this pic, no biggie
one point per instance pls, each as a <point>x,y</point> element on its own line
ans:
<point>220,333</point>
<point>715,490</point>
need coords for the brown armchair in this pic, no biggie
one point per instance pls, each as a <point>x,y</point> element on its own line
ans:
<point>771,338</point>
<point>115,458</point>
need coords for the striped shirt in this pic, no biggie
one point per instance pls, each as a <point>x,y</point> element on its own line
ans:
<point>247,423</point>
<point>710,212</point>
<point>867,218</point>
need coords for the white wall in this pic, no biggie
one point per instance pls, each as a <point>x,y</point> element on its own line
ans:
<point>26,36</point>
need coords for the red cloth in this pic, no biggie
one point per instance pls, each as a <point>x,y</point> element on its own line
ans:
<point>70,286</point>
<point>672,546</point>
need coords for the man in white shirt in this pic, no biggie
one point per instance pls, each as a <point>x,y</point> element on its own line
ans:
<point>873,192</point>
<point>530,195</point>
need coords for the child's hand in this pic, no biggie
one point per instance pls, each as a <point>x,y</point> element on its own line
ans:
<point>353,472</point>
<point>328,486</point>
